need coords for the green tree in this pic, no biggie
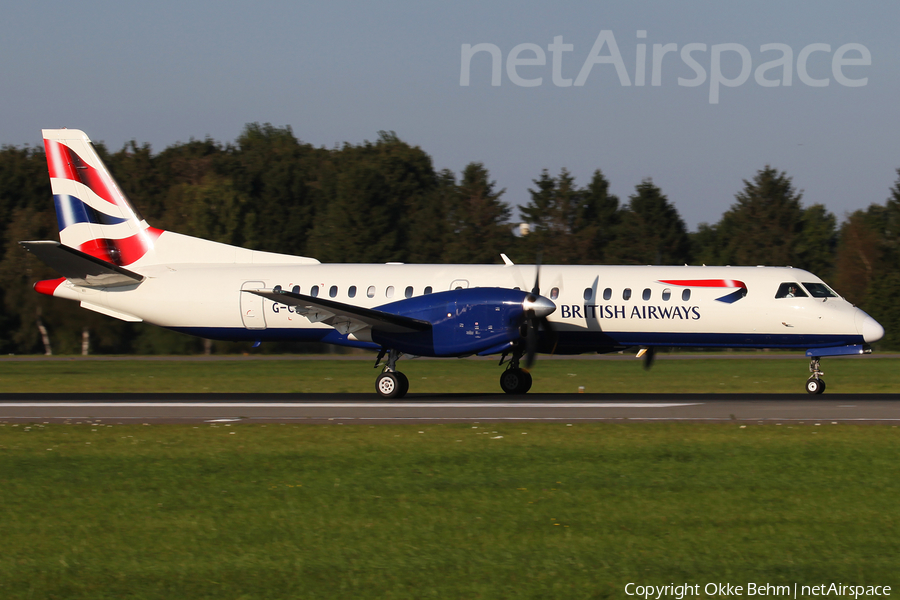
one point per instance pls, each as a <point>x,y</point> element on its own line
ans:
<point>363,222</point>
<point>282,180</point>
<point>211,209</point>
<point>24,183</point>
<point>478,220</point>
<point>429,221</point>
<point>137,172</point>
<point>705,244</point>
<point>373,191</point>
<point>651,230</point>
<point>816,246</point>
<point>859,254</point>
<point>565,222</point>
<point>603,216</point>
<point>883,262</point>
<point>765,225</point>
<point>881,304</point>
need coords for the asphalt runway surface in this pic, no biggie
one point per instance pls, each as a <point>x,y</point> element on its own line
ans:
<point>436,408</point>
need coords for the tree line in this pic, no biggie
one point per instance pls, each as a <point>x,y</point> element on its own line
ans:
<point>385,201</point>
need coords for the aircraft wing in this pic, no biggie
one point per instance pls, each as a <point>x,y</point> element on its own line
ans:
<point>80,268</point>
<point>346,318</point>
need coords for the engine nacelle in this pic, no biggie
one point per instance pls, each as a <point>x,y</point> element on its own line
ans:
<point>464,322</point>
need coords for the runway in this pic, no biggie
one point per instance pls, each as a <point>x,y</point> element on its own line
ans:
<point>357,408</point>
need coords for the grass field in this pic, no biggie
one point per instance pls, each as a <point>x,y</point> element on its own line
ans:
<point>533,510</point>
<point>783,375</point>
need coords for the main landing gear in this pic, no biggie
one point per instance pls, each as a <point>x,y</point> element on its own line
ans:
<point>815,384</point>
<point>515,380</point>
<point>391,383</point>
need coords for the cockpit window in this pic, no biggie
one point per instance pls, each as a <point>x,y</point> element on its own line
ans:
<point>790,290</point>
<point>819,290</point>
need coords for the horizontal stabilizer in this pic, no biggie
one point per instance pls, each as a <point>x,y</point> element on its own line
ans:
<point>340,313</point>
<point>80,268</point>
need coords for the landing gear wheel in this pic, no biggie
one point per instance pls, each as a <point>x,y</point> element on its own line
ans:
<point>392,384</point>
<point>404,384</point>
<point>815,386</point>
<point>515,381</point>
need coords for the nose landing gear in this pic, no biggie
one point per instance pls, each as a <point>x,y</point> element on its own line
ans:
<point>815,384</point>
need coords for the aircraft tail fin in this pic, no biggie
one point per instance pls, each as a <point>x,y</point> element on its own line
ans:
<point>93,214</point>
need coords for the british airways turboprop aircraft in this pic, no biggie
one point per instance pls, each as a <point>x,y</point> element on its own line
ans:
<point>114,263</point>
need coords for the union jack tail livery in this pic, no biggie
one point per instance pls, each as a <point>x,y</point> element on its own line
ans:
<point>93,213</point>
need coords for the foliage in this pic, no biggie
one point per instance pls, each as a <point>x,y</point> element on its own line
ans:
<point>764,225</point>
<point>568,224</point>
<point>477,220</point>
<point>651,231</point>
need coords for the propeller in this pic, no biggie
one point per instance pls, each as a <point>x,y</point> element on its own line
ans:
<point>537,309</point>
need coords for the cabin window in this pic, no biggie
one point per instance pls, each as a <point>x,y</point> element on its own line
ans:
<point>646,294</point>
<point>314,292</point>
<point>626,294</point>
<point>351,292</point>
<point>607,293</point>
<point>295,289</point>
<point>790,290</point>
<point>277,289</point>
<point>332,292</point>
<point>554,293</point>
<point>667,293</point>
<point>427,290</point>
<point>408,292</point>
<point>686,295</point>
<point>371,291</point>
<point>588,293</point>
<point>819,290</point>
<point>389,292</point>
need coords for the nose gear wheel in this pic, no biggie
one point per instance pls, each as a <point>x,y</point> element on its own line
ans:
<point>815,384</point>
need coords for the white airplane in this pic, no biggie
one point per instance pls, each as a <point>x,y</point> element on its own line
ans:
<point>114,263</point>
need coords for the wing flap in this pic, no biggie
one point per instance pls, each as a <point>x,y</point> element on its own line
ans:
<point>346,318</point>
<point>80,268</point>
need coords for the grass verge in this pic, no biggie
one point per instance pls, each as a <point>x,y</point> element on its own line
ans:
<point>847,375</point>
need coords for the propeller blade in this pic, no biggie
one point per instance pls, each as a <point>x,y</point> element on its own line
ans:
<point>537,308</point>
<point>531,343</point>
<point>649,357</point>
<point>552,337</point>
<point>536,290</point>
<point>536,325</point>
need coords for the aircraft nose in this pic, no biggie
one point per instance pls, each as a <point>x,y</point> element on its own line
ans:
<point>869,328</point>
<point>541,306</point>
